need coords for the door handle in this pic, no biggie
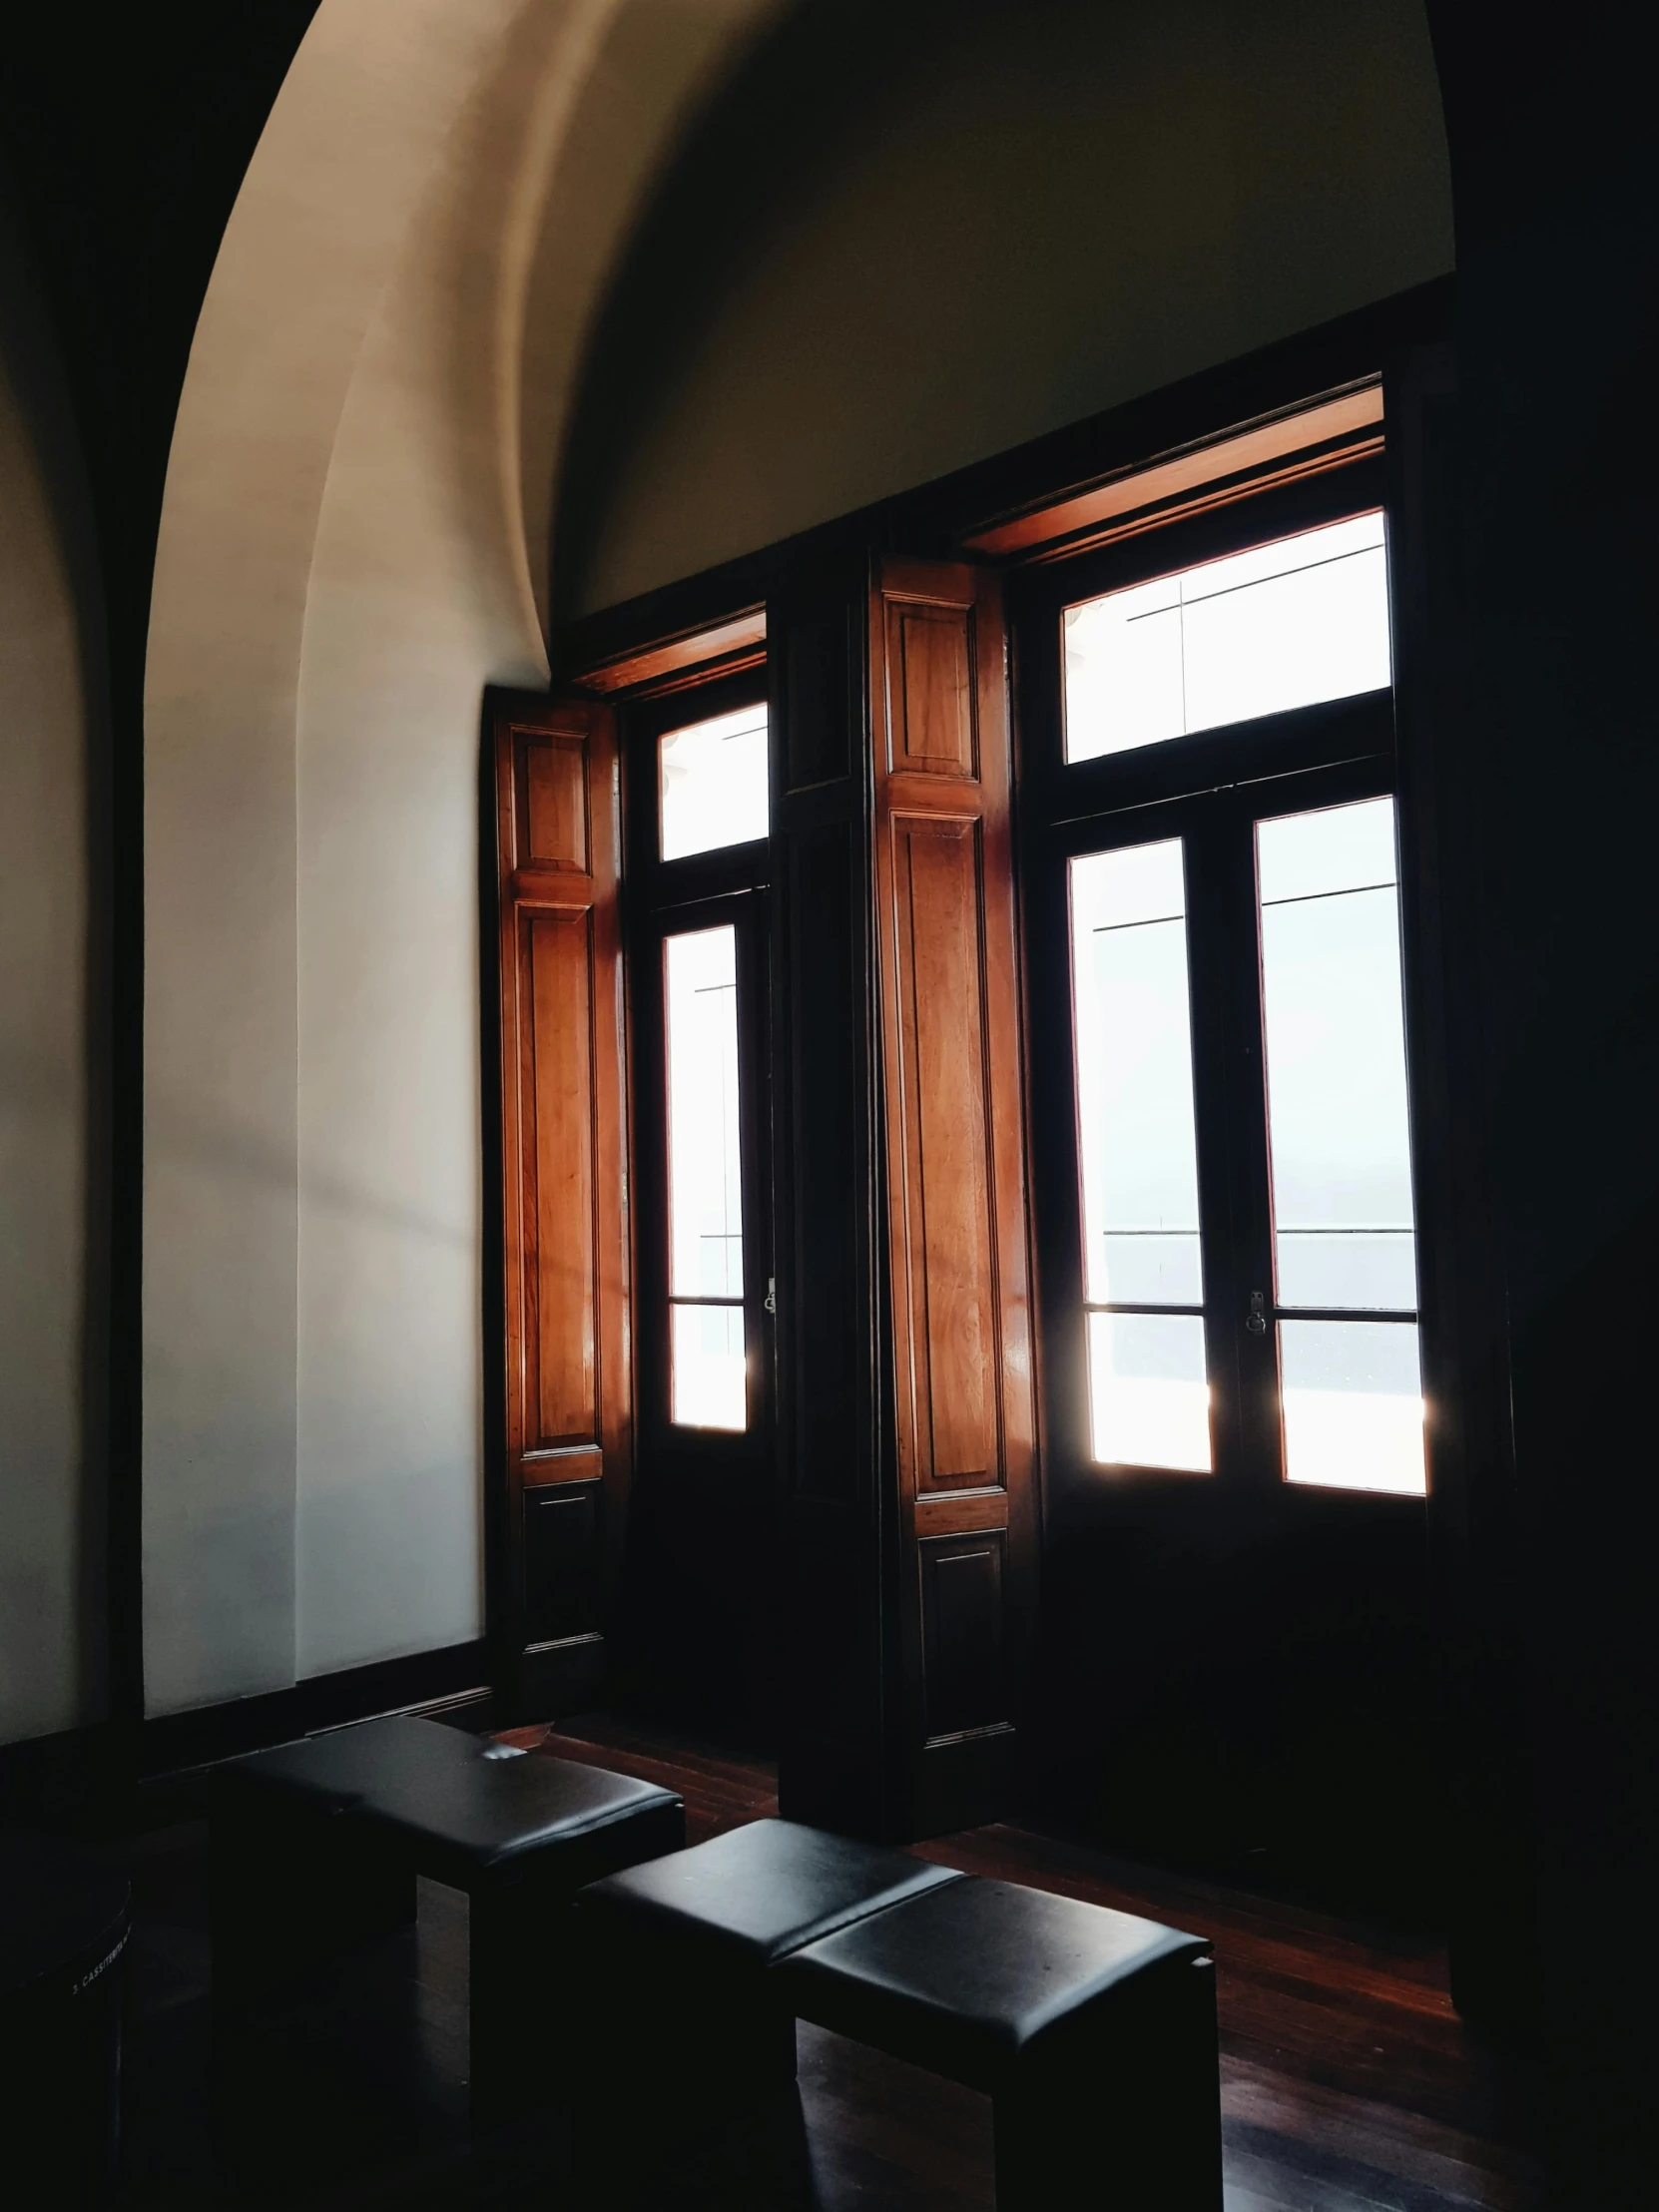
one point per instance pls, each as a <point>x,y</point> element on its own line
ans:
<point>1257,1320</point>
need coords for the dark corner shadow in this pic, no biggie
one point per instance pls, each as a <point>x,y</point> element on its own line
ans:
<point>37,371</point>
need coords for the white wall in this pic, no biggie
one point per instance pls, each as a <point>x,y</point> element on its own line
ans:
<point>404,620</point>
<point>353,546</point>
<point>310,241</point>
<point>50,709</point>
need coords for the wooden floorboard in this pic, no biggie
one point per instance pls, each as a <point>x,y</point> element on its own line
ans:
<point>1348,2083</point>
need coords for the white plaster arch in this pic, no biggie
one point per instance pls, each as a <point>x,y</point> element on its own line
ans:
<point>353,544</point>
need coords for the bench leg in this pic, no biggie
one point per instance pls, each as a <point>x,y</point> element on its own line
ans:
<point>1123,2116</point>
<point>503,1994</point>
<point>520,2030</point>
<point>290,1895</point>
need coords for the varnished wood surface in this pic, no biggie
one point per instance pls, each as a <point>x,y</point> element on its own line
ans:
<point>958,1229</point>
<point>1349,2084</point>
<point>567,1395</point>
<point>1322,436</point>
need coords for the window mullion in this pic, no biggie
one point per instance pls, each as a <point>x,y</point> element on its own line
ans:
<point>1234,1149</point>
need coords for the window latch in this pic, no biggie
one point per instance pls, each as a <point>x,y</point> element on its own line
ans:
<point>1257,1320</point>
<point>771,1294</point>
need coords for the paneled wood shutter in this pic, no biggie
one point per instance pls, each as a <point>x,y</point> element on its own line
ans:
<point>954,1134</point>
<point>565,1241</point>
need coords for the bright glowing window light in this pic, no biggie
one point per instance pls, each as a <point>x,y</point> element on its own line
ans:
<point>1149,1392</point>
<point>705,1201</point>
<point>1283,625</point>
<point>1334,1030</point>
<point>1352,1405</point>
<point>713,783</point>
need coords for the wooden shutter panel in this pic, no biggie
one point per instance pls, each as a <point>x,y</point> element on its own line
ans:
<point>568,1398</point>
<point>953,1112</point>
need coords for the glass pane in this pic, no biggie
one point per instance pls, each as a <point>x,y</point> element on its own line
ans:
<point>1135,1078</point>
<point>1335,1059</point>
<point>704,1204</point>
<point>708,1367</point>
<point>1353,1397</point>
<point>705,1187</point>
<point>713,780</point>
<point>1149,1396</point>
<point>1283,625</point>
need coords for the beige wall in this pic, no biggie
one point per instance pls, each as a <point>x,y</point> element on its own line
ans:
<point>354,545</point>
<point>1012,219</point>
<point>51,1233</point>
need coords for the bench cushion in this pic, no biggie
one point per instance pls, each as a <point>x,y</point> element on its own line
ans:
<point>758,1892</point>
<point>459,1806</point>
<point>963,1979</point>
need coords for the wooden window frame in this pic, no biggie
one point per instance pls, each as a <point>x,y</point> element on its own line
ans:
<point>664,898</point>
<point>804,610</point>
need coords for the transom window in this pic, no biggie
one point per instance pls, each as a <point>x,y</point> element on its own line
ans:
<point>711,783</point>
<point>1287,624</point>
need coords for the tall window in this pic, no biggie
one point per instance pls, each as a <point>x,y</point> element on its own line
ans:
<point>1212,881</point>
<point>704,1180</point>
<point>697,887</point>
<point>1345,1247</point>
<point>1143,1246</point>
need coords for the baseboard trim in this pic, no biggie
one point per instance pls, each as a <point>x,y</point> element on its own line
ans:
<point>177,1741</point>
<point>108,1778</point>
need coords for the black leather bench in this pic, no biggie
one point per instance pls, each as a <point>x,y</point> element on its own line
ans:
<point>1094,2033</point>
<point>675,1953</point>
<point>317,1847</point>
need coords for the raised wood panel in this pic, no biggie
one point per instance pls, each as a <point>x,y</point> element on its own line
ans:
<point>555,801</point>
<point>563,1150</point>
<point>562,1560</point>
<point>931,664</point>
<point>962,1624</point>
<point>562,1275</point>
<point>951,1097</point>
<point>946,1145</point>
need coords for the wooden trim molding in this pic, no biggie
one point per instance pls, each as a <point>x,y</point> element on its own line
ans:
<point>1343,427</point>
<point>722,648</point>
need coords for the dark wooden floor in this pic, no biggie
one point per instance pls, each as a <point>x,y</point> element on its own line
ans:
<point>1349,2084</point>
